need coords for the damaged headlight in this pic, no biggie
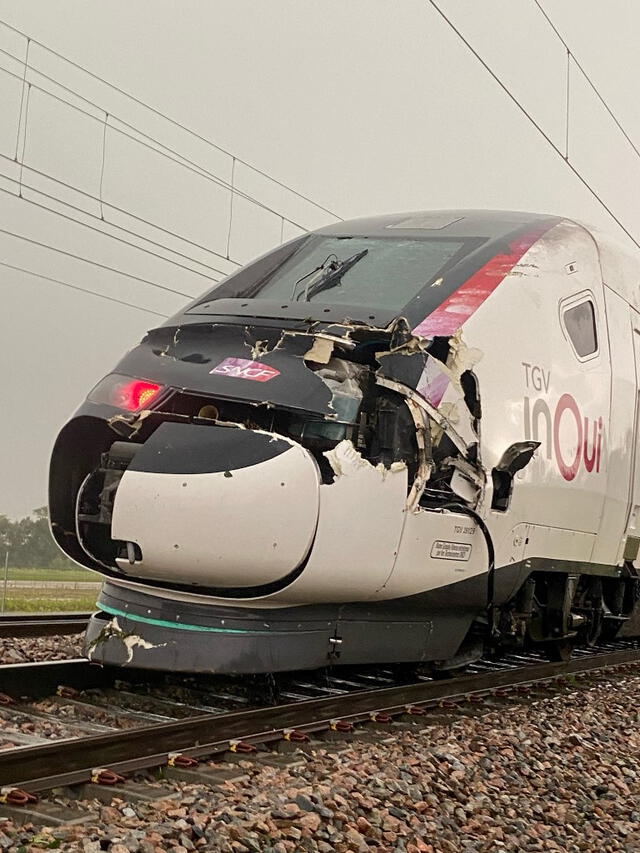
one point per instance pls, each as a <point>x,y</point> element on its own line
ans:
<point>125,392</point>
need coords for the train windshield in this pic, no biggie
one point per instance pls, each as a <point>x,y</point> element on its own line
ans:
<point>379,273</point>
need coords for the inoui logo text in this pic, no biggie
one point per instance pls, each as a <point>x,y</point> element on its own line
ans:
<point>543,422</point>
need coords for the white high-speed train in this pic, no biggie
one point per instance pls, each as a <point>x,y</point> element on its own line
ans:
<point>401,438</point>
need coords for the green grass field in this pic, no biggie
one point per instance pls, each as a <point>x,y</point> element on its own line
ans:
<point>75,574</point>
<point>50,604</point>
<point>45,599</point>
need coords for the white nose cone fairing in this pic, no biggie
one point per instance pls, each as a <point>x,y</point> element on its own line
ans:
<point>233,507</point>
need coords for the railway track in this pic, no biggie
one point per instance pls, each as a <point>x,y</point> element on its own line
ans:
<point>338,704</point>
<point>42,624</point>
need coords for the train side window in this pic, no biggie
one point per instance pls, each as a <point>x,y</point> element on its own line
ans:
<point>579,321</point>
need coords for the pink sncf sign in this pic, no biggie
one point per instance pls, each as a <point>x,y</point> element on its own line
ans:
<point>242,368</point>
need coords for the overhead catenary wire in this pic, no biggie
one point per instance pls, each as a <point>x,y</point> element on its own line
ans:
<point>95,230</point>
<point>178,158</point>
<point>531,119</point>
<point>26,87</point>
<point>22,93</point>
<point>115,207</point>
<point>166,117</point>
<point>82,289</point>
<point>67,254</point>
<point>586,76</point>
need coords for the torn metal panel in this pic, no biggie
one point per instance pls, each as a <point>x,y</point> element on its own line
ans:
<point>405,356</point>
<point>260,366</point>
<point>433,381</point>
<point>345,460</point>
<point>425,466</point>
<point>464,487</point>
<point>438,417</point>
<point>129,640</point>
<point>320,351</point>
<point>260,348</point>
<point>444,385</point>
<point>459,418</point>
<point>128,425</point>
<point>461,356</point>
<point>403,365</point>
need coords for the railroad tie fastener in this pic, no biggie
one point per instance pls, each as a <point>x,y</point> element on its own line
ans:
<point>295,736</point>
<point>340,726</point>
<point>5,699</point>
<point>16,797</point>
<point>104,776</point>
<point>66,692</point>
<point>177,759</point>
<point>379,717</point>
<point>241,746</point>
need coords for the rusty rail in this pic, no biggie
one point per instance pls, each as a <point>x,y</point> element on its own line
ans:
<point>42,624</point>
<point>70,762</point>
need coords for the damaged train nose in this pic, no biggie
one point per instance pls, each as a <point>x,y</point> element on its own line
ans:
<point>294,470</point>
<point>191,494</point>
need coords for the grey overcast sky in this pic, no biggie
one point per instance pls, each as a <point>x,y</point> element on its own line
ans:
<point>365,106</point>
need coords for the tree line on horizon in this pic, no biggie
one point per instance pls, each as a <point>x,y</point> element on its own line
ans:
<point>29,543</point>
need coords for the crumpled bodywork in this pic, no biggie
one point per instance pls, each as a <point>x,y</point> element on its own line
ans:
<point>353,406</point>
<point>289,472</point>
<point>335,386</point>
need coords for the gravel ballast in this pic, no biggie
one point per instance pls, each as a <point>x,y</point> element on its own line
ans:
<point>558,774</point>
<point>28,649</point>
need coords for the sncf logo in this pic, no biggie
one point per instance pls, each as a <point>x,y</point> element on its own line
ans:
<point>242,368</point>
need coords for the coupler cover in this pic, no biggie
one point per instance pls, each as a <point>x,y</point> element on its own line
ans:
<point>217,506</point>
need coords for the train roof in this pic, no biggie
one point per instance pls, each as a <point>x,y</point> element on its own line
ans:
<point>482,235</point>
<point>490,224</point>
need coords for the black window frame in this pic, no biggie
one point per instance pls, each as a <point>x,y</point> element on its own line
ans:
<point>584,297</point>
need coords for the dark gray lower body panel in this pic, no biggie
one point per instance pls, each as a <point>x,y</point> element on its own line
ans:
<point>142,630</point>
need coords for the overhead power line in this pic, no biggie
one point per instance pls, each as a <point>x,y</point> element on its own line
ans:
<point>531,119</point>
<point>95,263</point>
<point>81,289</point>
<point>22,198</point>
<point>586,76</point>
<point>178,158</point>
<point>168,118</point>
<point>118,209</point>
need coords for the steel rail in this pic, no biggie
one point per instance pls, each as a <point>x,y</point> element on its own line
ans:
<point>71,762</point>
<point>42,624</point>
<point>42,678</point>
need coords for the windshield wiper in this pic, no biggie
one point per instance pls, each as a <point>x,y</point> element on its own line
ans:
<point>314,274</point>
<point>329,275</point>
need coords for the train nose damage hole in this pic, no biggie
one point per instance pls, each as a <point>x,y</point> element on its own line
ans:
<point>396,398</point>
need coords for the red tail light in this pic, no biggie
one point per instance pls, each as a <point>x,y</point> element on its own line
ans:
<point>125,393</point>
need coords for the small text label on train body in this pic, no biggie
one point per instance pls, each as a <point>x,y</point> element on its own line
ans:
<point>442,550</point>
<point>242,368</point>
